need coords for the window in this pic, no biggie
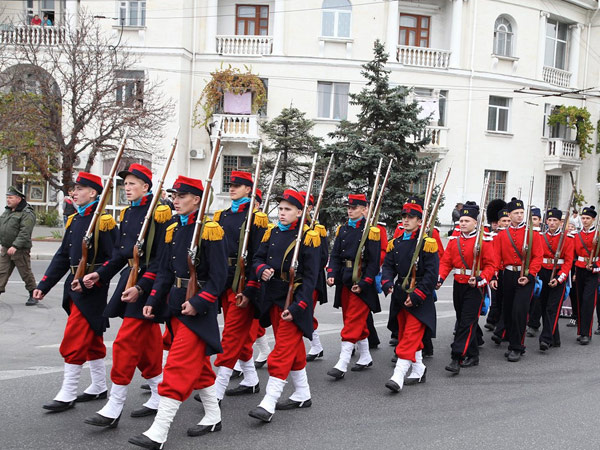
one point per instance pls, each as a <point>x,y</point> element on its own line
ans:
<point>556,44</point>
<point>503,37</point>
<point>442,103</point>
<point>559,131</point>
<point>414,30</point>
<point>498,112</point>
<point>130,88</point>
<point>29,11</point>
<point>333,100</point>
<point>252,20</point>
<point>337,15</point>
<point>497,187</point>
<point>552,195</point>
<point>48,10</point>
<point>262,112</point>
<point>132,14</point>
<point>234,163</point>
<point>418,187</point>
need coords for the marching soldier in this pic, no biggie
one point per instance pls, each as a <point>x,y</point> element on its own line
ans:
<point>356,299</point>
<point>468,286</point>
<point>517,289</point>
<point>192,322</point>
<point>554,278</point>
<point>494,208</point>
<point>414,311</point>
<point>86,324</point>
<point>239,310</point>
<point>535,309</point>
<point>139,340</point>
<point>272,266</point>
<point>586,274</point>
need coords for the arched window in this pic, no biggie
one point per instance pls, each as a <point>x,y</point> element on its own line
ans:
<point>504,37</point>
<point>337,15</point>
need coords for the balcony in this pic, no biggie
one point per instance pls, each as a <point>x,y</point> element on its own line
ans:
<point>236,127</point>
<point>562,155</point>
<point>557,77</point>
<point>437,146</point>
<point>32,35</point>
<point>244,45</point>
<point>431,58</point>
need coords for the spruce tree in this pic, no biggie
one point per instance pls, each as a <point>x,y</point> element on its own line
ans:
<point>385,126</point>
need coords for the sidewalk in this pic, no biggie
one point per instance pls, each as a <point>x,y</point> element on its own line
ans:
<point>44,250</point>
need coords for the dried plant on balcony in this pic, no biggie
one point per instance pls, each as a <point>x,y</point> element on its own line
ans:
<point>576,119</point>
<point>60,102</point>
<point>229,79</point>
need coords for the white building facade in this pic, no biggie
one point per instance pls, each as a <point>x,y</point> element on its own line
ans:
<point>477,66</point>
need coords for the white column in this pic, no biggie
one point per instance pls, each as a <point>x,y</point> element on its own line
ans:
<point>212,10</point>
<point>71,12</point>
<point>278,27</point>
<point>575,45</point>
<point>456,32</point>
<point>391,41</point>
<point>542,43</point>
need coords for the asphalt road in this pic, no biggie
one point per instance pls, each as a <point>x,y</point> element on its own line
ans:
<point>545,401</point>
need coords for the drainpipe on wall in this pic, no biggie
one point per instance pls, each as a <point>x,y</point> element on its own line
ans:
<point>470,102</point>
<point>192,79</point>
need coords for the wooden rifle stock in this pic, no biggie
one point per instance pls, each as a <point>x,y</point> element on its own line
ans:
<point>480,224</point>
<point>315,216</point>
<point>294,263</point>
<point>561,241</point>
<point>87,239</point>
<point>265,204</point>
<point>528,236</point>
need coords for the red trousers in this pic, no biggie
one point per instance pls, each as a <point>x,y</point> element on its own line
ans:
<point>257,330</point>
<point>80,343</point>
<point>138,344</point>
<point>315,301</point>
<point>410,335</point>
<point>354,313</point>
<point>167,340</point>
<point>237,339</point>
<point>289,352</point>
<point>188,367</point>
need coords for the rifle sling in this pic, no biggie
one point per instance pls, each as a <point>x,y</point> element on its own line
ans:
<point>150,240</point>
<point>238,269</point>
<point>518,252</point>
<point>587,250</point>
<point>548,244</point>
<point>462,258</point>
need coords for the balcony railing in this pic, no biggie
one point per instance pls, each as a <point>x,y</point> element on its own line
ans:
<point>244,45</point>
<point>32,34</point>
<point>557,77</point>
<point>438,140</point>
<point>423,57</point>
<point>236,127</point>
<point>562,154</point>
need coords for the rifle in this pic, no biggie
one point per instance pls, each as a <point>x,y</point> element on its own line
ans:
<point>433,215</point>
<point>528,236</point>
<point>375,219</point>
<point>321,194</point>
<point>298,243</point>
<point>138,248</point>
<point>412,269</point>
<point>86,243</point>
<point>561,241</point>
<point>479,236</point>
<point>240,270</point>
<point>358,258</point>
<point>265,204</point>
<point>194,250</point>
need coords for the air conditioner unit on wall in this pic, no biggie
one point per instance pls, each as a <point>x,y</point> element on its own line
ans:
<point>197,154</point>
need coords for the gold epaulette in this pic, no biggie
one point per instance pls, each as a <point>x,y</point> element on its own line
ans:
<point>122,214</point>
<point>430,245</point>
<point>69,220</point>
<point>107,222</point>
<point>390,246</point>
<point>162,214</point>
<point>217,215</point>
<point>312,238</point>
<point>212,232</point>
<point>337,231</point>
<point>321,230</point>
<point>374,233</point>
<point>261,220</point>
<point>169,232</point>
<point>267,234</point>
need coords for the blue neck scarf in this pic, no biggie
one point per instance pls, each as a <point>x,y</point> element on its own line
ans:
<point>407,235</point>
<point>184,219</point>
<point>81,209</point>
<point>283,227</point>
<point>354,223</point>
<point>235,204</point>
<point>138,202</point>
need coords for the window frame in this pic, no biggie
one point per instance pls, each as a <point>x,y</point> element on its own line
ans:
<point>497,186</point>
<point>124,13</point>
<point>257,18</point>
<point>556,41</point>
<point>553,188</point>
<point>498,108</point>
<point>227,168</point>
<point>125,78</point>
<point>418,29</point>
<point>337,11</point>
<point>558,131</point>
<point>332,95</point>
<point>509,46</point>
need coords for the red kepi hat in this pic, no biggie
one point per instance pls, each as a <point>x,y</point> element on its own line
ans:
<point>90,180</point>
<point>311,201</point>
<point>139,171</point>
<point>243,178</point>
<point>293,197</point>
<point>258,195</point>
<point>187,185</point>
<point>357,199</point>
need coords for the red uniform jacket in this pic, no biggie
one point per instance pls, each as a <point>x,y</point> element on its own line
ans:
<point>464,245</point>
<point>507,254</point>
<point>550,245</point>
<point>584,247</point>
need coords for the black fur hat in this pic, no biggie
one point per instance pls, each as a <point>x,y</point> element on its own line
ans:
<point>493,208</point>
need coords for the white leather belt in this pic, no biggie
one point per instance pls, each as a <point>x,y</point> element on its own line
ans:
<point>462,271</point>
<point>551,261</point>
<point>513,268</point>
<point>585,259</point>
